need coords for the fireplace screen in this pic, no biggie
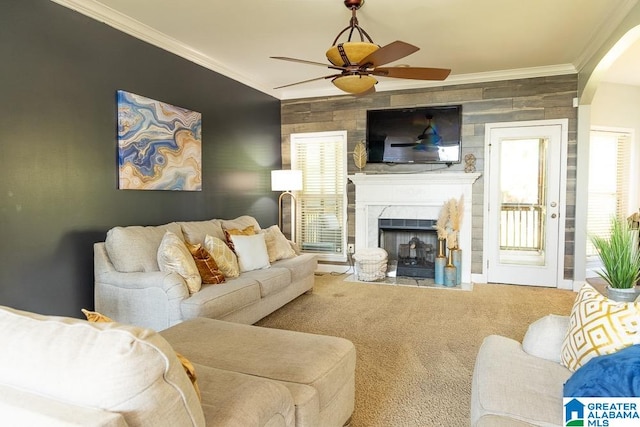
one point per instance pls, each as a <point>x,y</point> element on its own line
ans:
<point>412,243</point>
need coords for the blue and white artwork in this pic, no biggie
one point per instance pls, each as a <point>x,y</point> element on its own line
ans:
<point>159,145</point>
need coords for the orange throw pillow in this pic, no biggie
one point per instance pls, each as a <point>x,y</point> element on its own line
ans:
<point>209,271</point>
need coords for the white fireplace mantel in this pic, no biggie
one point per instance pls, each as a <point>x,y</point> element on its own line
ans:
<point>412,196</point>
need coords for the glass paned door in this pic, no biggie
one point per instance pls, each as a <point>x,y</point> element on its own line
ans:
<point>523,244</point>
<point>523,178</point>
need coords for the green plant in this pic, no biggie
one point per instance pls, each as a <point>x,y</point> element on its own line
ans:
<point>620,256</point>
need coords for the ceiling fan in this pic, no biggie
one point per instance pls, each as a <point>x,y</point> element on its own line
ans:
<point>359,61</point>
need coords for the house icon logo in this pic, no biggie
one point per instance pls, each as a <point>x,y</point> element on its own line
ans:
<point>574,413</point>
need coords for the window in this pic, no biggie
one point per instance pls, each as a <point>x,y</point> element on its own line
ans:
<point>609,175</point>
<point>321,209</point>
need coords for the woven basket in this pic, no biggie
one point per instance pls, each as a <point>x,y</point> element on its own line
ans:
<point>371,264</point>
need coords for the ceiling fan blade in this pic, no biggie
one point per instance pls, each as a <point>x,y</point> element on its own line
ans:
<point>415,73</point>
<point>304,61</point>
<point>308,81</point>
<point>389,53</point>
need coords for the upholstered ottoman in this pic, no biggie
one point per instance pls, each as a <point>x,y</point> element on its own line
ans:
<point>318,370</point>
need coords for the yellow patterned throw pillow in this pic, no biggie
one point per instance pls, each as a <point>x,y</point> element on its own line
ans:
<point>224,257</point>
<point>598,326</point>
<point>95,317</point>
<point>174,256</point>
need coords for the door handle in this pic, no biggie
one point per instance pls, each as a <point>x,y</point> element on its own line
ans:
<point>553,215</point>
<point>554,204</point>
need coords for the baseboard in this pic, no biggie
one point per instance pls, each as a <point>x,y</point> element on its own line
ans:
<point>478,278</point>
<point>334,269</point>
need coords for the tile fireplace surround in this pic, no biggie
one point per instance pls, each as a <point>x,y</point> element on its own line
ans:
<point>411,196</point>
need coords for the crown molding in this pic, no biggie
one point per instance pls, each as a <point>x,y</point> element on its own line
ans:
<point>456,79</point>
<point>143,32</point>
<point>602,33</point>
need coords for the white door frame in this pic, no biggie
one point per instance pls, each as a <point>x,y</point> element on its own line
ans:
<point>564,124</point>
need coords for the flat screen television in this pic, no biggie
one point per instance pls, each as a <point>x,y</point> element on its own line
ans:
<point>414,135</point>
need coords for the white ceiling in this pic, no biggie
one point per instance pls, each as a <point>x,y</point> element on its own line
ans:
<point>478,40</point>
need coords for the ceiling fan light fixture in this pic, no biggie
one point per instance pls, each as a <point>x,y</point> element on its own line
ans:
<point>354,83</point>
<point>354,52</point>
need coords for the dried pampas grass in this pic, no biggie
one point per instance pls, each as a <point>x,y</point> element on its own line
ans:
<point>441,223</point>
<point>456,209</point>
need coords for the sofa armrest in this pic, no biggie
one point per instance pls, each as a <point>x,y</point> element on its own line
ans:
<point>171,283</point>
<point>149,299</point>
<point>545,336</point>
<point>27,409</point>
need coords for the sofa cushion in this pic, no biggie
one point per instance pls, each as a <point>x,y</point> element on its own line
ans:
<point>217,301</point>
<point>135,248</point>
<point>544,337</point>
<point>24,409</point>
<point>128,370</point>
<point>234,399</point>
<point>271,280</point>
<point>300,266</point>
<point>322,362</point>
<point>278,246</point>
<point>195,231</point>
<point>240,223</point>
<point>251,252</point>
<point>94,316</point>
<point>598,326</point>
<point>224,257</point>
<point>174,257</point>
<point>498,421</point>
<point>509,383</point>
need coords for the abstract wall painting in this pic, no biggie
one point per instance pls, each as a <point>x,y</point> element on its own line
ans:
<point>159,145</point>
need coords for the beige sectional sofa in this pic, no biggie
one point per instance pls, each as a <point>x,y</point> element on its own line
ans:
<point>63,372</point>
<point>131,288</point>
<point>520,384</point>
<point>591,352</point>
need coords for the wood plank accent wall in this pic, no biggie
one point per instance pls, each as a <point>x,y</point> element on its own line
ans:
<point>501,101</point>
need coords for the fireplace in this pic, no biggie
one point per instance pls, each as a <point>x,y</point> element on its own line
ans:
<point>409,196</point>
<point>411,245</point>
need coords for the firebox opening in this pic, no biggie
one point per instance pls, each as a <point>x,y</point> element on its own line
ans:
<point>411,243</point>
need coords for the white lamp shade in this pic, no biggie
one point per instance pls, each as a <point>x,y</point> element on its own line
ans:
<point>286,180</point>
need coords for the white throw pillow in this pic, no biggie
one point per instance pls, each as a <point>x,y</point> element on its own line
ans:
<point>174,256</point>
<point>251,251</point>
<point>278,246</point>
<point>545,336</point>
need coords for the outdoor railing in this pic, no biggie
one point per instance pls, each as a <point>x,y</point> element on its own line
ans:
<point>521,227</point>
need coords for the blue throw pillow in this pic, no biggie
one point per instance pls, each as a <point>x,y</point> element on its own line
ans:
<point>611,375</point>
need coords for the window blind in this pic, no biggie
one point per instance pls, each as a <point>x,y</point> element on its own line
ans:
<point>321,205</point>
<point>609,175</point>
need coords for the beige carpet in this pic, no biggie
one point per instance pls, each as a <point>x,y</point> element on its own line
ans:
<point>416,347</point>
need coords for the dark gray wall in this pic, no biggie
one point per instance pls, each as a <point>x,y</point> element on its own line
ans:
<point>59,74</point>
